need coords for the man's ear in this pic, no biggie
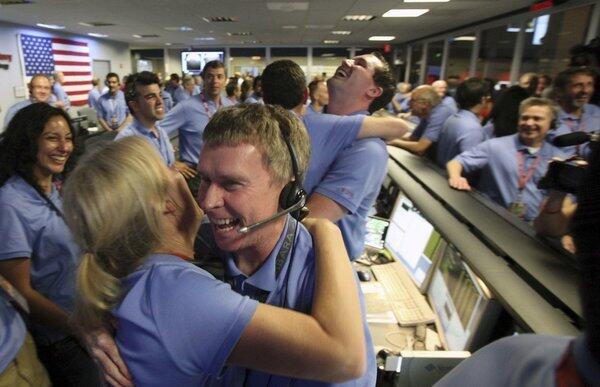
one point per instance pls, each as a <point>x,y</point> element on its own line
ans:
<point>375,91</point>
<point>170,207</point>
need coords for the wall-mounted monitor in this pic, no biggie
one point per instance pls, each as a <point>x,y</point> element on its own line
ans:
<point>192,62</point>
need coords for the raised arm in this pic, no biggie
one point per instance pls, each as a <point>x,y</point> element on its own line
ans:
<point>326,345</point>
<point>387,128</point>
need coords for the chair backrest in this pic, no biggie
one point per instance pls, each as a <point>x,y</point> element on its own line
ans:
<point>92,116</point>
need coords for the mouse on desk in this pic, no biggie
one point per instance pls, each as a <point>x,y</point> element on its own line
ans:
<point>363,276</point>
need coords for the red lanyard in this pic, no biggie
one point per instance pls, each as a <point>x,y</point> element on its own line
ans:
<point>566,374</point>
<point>208,112</point>
<point>570,122</point>
<point>525,176</point>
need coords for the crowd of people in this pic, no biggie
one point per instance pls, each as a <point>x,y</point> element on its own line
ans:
<point>178,266</point>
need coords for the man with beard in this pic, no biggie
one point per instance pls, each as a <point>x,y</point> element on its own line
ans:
<point>573,89</point>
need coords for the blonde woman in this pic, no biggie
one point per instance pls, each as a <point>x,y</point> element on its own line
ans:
<point>136,220</point>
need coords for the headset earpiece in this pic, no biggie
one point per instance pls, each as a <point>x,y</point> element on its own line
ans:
<point>292,193</point>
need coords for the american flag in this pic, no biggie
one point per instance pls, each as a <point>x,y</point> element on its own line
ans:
<point>71,57</point>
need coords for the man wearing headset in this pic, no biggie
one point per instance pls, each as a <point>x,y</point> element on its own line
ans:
<point>511,166</point>
<point>113,114</point>
<point>251,166</point>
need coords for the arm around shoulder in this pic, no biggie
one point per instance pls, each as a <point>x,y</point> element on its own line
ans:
<point>326,345</point>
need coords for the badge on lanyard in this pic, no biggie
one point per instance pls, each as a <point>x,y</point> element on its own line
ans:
<point>518,207</point>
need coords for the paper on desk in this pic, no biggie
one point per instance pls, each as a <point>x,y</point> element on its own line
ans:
<point>378,308</point>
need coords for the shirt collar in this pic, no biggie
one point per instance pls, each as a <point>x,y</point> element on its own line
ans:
<point>588,368</point>
<point>31,192</point>
<point>265,277</point>
<point>522,147</point>
<point>143,129</point>
<point>360,113</point>
<point>468,113</point>
<point>562,115</point>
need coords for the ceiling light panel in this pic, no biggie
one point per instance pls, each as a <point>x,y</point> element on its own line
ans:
<point>51,26</point>
<point>288,7</point>
<point>381,38</point>
<point>341,32</point>
<point>405,12</point>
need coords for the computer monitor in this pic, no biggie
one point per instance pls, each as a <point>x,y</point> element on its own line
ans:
<point>376,229</point>
<point>412,240</point>
<point>465,308</point>
<point>192,62</point>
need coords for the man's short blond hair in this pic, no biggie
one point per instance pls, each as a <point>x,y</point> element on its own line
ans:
<point>264,127</point>
<point>535,101</point>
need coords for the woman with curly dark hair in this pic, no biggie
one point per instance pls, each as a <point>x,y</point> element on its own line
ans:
<point>37,253</point>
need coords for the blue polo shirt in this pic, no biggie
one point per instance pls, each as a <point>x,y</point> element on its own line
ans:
<point>167,101</point>
<point>61,94</point>
<point>488,130</point>
<point>110,106</point>
<point>161,143</point>
<point>567,123</point>
<point>461,132</point>
<point>10,113</point>
<point>450,102</point>
<point>310,110</point>
<point>523,360</point>
<point>329,134</point>
<point>293,289</point>
<point>431,126</point>
<point>12,334</point>
<point>354,181</point>
<point>180,95</point>
<point>30,228</point>
<point>93,96</point>
<point>498,162</point>
<point>253,98</point>
<point>190,118</point>
<point>177,324</point>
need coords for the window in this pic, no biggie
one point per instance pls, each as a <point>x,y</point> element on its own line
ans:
<point>549,38</point>
<point>415,65</point>
<point>459,56</point>
<point>326,61</point>
<point>496,53</point>
<point>435,52</point>
<point>247,61</point>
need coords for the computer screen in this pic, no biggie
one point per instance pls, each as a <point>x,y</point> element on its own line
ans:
<point>457,298</point>
<point>412,240</point>
<point>376,229</point>
<point>192,62</point>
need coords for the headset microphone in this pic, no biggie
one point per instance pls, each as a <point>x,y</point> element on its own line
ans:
<point>295,207</point>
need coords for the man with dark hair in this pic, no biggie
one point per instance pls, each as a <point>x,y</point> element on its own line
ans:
<point>40,90</point>
<point>425,103</point>
<point>573,89</point>
<point>173,84</point>
<point>257,94</point>
<point>319,97</point>
<point>462,131</point>
<point>233,92</point>
<point>191,116</point>
<point>343,175</point>
<point>112,108</point>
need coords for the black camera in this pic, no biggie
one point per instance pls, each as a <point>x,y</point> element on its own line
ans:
<point>564,175</point>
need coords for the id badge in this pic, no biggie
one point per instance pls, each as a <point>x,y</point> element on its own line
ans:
<point>517,208</point>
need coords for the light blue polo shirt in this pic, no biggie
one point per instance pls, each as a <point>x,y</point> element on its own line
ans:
<point>93,97</point>
<point>177,324</point>
<point>180,95</point>
<point>167,101</point>
<point>310,110</point>
<point>161,143</point>
<point>254,99</point>
<point>461,132</point>
<point>523,360</point>
<point>12,332</point>
<point>450,102</point>
<point>329,134</point>
<point>30,228</point>
<point>190,118</point>
<point>10,113</point>
<point>110,106</point>
<point>431,127</point>
<point>292,289</point>
<point>567,123</point>
<point>61,94</point>
<point>354,181</point>
<point>497,160</point>
<point>488,130</point>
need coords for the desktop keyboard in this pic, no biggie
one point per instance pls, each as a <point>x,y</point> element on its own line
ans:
<point>409,306</point>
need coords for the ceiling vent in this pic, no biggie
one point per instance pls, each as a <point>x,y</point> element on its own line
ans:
<point>287,7</point>
<point>149,36</point>
<point>359,18</point>
<point>220,19</point>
